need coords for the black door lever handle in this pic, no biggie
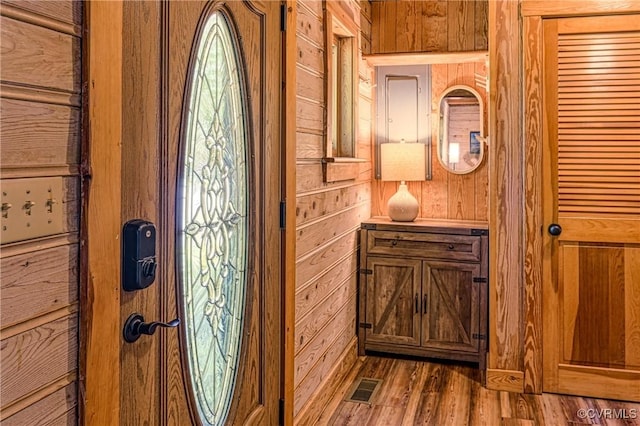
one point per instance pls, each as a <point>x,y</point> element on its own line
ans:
<point>134,327</point>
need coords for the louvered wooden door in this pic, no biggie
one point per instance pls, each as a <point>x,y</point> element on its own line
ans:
<point>591,267</point>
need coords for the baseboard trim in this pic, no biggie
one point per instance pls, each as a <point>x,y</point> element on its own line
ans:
<point>505,380</point>
<point>312,410</point>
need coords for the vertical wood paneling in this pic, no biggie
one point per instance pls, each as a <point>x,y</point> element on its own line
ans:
<point>407,24</point>
<point>434,24</point>
<point>327,217</point>
<point>389,21</point>
<point>505,158</point>
<point>40,136</point>
<point>481,25</point>
<point>429,26</point>
<point>435,193</point>
<point>460,25</point>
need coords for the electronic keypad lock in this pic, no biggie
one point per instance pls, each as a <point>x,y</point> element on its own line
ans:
<point>138,254</point>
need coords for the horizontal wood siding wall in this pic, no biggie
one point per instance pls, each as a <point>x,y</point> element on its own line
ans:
<point>429,26</point>
<point>40,131</point>
<point>327,216</point>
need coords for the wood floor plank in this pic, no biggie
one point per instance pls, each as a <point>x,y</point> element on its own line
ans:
<point>484,405</point>
<point>421,373</point>
<point>399,384</point>
<point>454,402</point>
<point>433,389</point>
<point>419,392</point>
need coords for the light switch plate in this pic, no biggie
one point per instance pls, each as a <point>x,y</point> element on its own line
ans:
<point>31,208</point>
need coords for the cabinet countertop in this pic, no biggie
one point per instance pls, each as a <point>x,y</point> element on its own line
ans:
<point>383,222</point>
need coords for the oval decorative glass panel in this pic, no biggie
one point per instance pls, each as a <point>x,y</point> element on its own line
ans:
<point>213,221</point>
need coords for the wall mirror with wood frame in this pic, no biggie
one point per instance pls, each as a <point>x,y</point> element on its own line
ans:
<point>461,137</point>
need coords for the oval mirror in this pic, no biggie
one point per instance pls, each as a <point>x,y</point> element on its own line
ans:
<point>461,131</point>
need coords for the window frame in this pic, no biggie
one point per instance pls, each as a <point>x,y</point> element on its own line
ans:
<point>340,161</point>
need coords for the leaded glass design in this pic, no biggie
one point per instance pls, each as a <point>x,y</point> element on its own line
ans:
<point>213,223</point>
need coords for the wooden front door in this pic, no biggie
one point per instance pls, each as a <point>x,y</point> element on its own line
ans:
<point>591,193</point>
<point>201,160</point>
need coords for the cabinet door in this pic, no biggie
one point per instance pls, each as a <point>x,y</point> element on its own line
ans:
<point>393,301</point>
<point>450,316</point>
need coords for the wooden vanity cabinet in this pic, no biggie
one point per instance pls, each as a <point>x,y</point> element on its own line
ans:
<point>423,289</point>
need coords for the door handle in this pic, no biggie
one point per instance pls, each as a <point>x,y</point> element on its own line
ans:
<point>424,304</point>
<point>417,303</point>
<point>134,327</point>
<point>555,229</point>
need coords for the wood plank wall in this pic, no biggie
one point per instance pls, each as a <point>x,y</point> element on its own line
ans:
<point>40,130</point>
<point>437,26</point>
<point>429,26</point>
<point>327,217</point>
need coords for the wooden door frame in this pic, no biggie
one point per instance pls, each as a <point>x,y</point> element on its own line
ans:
<point>533,13</point>
<point>100,329</point>
<point>288,161</point>
<point>99,386</point>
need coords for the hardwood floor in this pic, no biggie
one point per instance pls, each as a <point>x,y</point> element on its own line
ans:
<point>417,392</point>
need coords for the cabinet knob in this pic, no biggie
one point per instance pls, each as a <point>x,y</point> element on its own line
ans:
<point>451,247</point>
<point>394,242</point>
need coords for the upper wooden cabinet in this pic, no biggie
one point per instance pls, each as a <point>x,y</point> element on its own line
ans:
<point>423,288</point>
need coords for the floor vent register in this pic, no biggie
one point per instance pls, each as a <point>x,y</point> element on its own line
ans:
<point>363,390</point>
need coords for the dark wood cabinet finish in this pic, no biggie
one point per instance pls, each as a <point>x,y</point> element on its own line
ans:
<point>423,289</point>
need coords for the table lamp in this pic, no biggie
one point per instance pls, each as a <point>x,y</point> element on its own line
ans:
<point>402,162</point>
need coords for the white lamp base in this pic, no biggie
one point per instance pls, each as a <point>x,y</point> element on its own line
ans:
<point>402,206</point>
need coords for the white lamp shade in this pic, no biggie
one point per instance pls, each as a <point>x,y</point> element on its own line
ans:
<point>402,161</point>
<point>454,152</point>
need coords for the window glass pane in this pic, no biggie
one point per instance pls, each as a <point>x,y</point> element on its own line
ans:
<point>213,223</point>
